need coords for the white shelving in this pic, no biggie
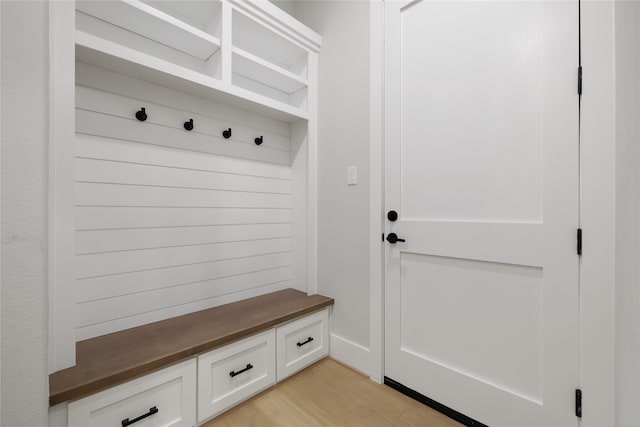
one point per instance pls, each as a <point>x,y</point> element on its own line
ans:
<point>262,41</point>
<point>205,15</point>
<point>175,44</point>
<point>112,56</point>
<point>144,20</point>
<point>256,68</point>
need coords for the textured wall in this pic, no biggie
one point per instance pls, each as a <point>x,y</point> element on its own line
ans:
<point>24,213</point>
<point>343,141</point>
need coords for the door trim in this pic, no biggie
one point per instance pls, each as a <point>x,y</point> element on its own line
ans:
<point>376,190</point>
<point>597,207</point>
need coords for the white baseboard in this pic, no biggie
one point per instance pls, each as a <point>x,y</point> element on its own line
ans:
<point>349,353</point>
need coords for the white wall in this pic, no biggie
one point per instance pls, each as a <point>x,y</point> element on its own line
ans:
<point>627,33</point>
<point>24,213</point>
<point>343,141</point>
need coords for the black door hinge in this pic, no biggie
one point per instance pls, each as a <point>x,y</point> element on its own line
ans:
<point>578,403</point>
<point>580,80</point>
<point>579,245</point>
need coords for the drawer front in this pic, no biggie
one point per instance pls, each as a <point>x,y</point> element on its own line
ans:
<point>302,342</point>
<point>161,399</point>
<point>233,373</point>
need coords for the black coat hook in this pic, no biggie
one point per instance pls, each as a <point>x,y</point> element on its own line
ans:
<point>258,141</point>
<point>188,125</point>
<point>226,133</point>
<point>141,115</point>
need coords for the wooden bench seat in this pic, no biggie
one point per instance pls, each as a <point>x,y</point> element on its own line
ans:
<point>105,361</point>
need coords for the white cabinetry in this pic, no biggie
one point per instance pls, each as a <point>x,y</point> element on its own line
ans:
<point>166,398</point>
<point>238,64</point>
<point>217,380</point>
<point>302,342</point>
<point>233,373</point>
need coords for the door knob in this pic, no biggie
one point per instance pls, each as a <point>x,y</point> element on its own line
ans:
<point>392,215</point>
<point>393,238</point>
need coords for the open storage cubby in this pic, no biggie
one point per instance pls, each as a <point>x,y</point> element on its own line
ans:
<point>267,62</point>
<point>250,50</point>
<point>157,29</point>
<point>208,199</point>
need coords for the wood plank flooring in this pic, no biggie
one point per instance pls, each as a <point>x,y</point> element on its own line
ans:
<point>330,394</point>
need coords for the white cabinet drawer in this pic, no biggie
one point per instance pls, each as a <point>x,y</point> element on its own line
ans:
<point>302,342</point>
<point>161,399</point>
<point>233,373</point>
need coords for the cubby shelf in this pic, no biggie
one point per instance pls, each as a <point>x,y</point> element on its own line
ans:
<point>112,56</point>
<point>256,68</point>
<point>144,20</point>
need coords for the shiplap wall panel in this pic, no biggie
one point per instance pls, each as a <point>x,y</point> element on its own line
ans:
<point>94,147</point>
<point>99,194</point>
<point>107,263</point>
<point>96,241</point>
<point>100,218</point>
<point>93,330</point>
<point>128,305</point>
<point>125,107</point>
<point>106,125</point>
<point>90,170</point>
<point>170,221</point>
<point>103,287</point>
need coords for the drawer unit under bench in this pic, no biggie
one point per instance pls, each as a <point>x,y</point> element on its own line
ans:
<point>227,363</point>
<point>233,373</point>
<point>302,342</point>
<point>166,398</point>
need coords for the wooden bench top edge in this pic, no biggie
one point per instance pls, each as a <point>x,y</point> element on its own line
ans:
<point>91,375</point>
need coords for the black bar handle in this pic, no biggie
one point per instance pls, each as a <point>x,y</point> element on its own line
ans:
<point>126,422</point>
<point>234,373</point>
<point>300,344</point>
<point>393,238</point>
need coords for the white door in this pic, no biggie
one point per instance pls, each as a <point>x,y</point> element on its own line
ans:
<point>481,301</point>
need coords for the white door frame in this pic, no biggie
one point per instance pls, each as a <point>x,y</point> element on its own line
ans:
<point>597,207</point>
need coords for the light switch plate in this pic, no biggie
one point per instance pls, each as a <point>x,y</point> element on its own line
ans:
<point>352,175</point>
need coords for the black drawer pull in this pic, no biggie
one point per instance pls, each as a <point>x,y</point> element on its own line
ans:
<point>300,344</point>
<point>234,373</point>
<point>126,422</point>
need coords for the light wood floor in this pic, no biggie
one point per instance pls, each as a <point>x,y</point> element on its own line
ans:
<point>330,394</point>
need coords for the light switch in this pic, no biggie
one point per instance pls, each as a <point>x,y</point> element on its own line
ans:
<point>352,175</point>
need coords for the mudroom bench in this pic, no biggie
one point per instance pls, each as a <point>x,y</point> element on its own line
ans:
<point>216,357</point>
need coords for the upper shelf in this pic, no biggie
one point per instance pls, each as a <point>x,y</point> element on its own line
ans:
<point>115,57</point>
<point>144,20</point>
<point>259,62</point>
<point>251,36</point>
<point>256,68</point>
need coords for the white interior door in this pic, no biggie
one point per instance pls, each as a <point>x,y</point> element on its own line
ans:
<point>481,301</point>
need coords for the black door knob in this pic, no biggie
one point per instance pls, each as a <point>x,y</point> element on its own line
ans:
<point>393,238</point>
<point>392,215</point>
